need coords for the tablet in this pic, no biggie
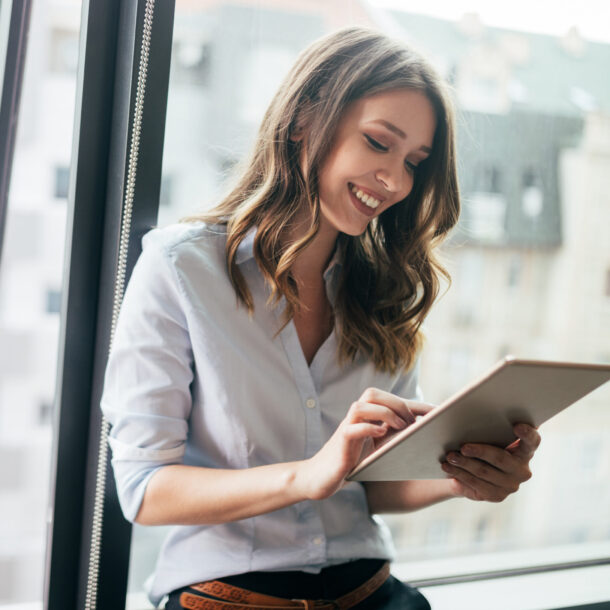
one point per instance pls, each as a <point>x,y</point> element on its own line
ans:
<point>514,391</point>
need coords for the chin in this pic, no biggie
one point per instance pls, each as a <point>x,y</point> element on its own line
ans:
<point>347,226</point>
<point>353,231</point>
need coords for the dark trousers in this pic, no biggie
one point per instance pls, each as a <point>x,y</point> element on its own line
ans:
<point>330,583</point>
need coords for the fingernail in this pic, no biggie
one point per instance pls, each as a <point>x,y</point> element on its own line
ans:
<point>453,458</point>
<point>468,450</point>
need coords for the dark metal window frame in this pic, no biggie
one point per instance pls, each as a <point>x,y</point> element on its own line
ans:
<point>109,54</point>
<point>18,15</point>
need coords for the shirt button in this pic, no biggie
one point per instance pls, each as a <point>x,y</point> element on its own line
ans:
<point>311,403</point>
<point>318,540</point>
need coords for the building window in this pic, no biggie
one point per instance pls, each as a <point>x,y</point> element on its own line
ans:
<point>45,413</point>
<point>53,304</point>
<point>514,271</point>
<point>492,178</point>
<point>532,198</point>
<point>62,182</point>
<point>165,194</point>
<point>487,206</point>
<point>488,179</point>
<point>192,63</point>
<point>486,222</point>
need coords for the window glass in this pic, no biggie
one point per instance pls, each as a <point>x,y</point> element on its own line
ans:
<point>529,261</point>
<point>30,294</point>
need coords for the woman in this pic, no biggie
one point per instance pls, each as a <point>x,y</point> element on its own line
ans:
<point>263,345</point>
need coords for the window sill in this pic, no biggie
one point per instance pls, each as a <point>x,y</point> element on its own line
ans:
<point>534,579</point>
<point>541,591</point>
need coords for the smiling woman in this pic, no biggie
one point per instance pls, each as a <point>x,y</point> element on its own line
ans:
<point>238,415</point>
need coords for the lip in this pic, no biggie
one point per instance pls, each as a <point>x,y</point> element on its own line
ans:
<point>361,207</point>
<point>377,196</point>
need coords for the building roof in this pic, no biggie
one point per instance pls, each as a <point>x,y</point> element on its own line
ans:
<point>555,75</point>
<point>523,98</point>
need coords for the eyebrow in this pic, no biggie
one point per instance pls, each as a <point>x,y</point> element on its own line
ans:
<point>399,132</point>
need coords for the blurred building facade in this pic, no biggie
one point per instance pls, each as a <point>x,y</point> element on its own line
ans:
<point>530,259</point>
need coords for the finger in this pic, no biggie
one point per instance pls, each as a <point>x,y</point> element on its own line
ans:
<point>485,472</point>
<point>374,412</point>
<point>503,460</point>
<point>419,408</point>
<point>363,430</point>
<point>399,405</point>
<point>481,490</point>
<point>528,441</point>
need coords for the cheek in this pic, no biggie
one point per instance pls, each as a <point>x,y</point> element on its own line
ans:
<point>332,175</point>
<point>346,163</point>
<point>409,183</point>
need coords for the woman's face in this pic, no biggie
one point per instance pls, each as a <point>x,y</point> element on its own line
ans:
<point>379,142</point>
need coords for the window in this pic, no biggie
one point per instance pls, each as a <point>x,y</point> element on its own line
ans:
<point>532,198</point>
<point>526,261</point>
<point>53,301</point>
<point>192,65</point>
<point>515,265</point>
<point>62,182</point>
<point>166,193</point>
<point>31,266</point>
<point>512,278</point>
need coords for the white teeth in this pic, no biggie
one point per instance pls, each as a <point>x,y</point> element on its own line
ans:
<point>368,200</point>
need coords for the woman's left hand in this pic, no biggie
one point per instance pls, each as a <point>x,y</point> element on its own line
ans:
<point>485,472</point>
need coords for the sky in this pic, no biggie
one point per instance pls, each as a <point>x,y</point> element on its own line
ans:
<point>591,17</point>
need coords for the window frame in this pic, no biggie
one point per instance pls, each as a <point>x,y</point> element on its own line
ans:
<point>110,50</point>
<point>15,23</point>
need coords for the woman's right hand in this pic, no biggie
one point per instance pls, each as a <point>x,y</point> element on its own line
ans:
<point>375,415</point>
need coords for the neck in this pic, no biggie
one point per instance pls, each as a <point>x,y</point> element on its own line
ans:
<point>313,260</point>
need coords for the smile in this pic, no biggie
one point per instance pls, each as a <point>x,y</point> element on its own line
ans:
<point>368,200</point>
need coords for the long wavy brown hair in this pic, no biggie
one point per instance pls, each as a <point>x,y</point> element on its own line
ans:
<point>390,274</point>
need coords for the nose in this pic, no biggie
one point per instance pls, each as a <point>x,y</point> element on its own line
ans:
<point>395,178</point>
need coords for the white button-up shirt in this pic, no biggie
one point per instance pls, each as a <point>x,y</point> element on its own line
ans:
<point>193,379</point>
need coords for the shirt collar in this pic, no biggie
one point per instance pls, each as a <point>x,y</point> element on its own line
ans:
<point>245,251</point>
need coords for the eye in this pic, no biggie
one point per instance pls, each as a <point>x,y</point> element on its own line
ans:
<point>411,166</point>
<point>375,144</point>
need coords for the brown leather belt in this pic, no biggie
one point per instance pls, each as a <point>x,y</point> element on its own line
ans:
<point>229,597</point>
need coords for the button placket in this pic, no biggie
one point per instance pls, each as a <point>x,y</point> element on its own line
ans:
<point>310,401</point>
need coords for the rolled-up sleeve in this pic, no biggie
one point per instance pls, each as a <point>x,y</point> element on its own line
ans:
<point>146,396</point>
